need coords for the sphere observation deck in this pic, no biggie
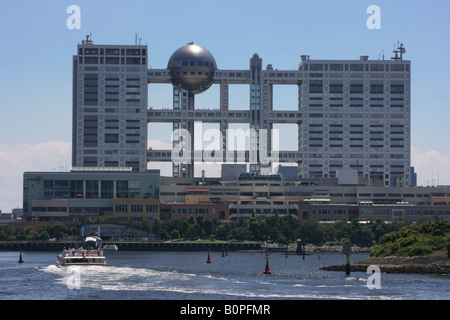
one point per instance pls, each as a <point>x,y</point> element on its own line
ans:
<point>192,68</point>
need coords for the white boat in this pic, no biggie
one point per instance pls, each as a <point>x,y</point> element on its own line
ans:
<point>110,247</point>
<point>91,254</point>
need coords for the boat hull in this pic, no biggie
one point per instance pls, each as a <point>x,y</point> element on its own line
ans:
<point>80,261</point>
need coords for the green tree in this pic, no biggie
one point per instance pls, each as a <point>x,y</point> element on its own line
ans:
<point>194,231</point>
<point>174,234</point>
<point>208,227</point>
<point>273,228</point>
<point>239,233</point>
<point>32,235</point>
<point>254,227</point>
<point>222,232</point>
<point>309,231</point>
<point>43,235</point>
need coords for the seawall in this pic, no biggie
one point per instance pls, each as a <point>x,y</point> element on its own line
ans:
<point>132,246</point>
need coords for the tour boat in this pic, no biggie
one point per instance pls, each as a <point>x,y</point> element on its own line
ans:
<point>91,254</point>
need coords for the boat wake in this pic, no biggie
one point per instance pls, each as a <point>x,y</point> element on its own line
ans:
<point>110,278</point>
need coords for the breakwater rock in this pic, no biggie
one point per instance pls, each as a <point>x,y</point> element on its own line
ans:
<point>310,248</point>
<point>436,263</point>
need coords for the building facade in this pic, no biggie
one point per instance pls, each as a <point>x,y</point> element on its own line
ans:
<point>321,199</point>
<point>136,210</point>
<point>219,211</point>
<point>109,125</point>
<point>78,195</point>
<point>352,114</point>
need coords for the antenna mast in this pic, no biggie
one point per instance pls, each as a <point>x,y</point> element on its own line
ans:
<point>400,49</point>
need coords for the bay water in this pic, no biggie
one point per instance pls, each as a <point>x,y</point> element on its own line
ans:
<point>187,276</point>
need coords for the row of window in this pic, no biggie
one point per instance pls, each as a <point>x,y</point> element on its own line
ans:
<point>316,86</point>
<point>137,208</point>
<point>189,210</point>
<point>355,67</point>
<point>112,60</point>
<point>112,51</point>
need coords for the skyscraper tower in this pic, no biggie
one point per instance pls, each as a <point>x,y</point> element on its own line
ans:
<point>110,106</point>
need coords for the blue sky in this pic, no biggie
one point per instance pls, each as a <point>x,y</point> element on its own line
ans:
<point>37,48</point>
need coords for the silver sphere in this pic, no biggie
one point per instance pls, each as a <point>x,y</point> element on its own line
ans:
<point>192,68</point>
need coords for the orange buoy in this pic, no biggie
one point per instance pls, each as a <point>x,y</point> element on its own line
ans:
<point>209,259</point>
<point>267,270</point>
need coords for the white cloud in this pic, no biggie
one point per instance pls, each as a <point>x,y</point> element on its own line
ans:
<point>432,168</point>
<point>15,160</point>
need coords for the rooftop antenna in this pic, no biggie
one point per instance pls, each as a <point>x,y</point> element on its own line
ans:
<point>137,39</point>
<point>396,57</point>
<point>88,39</point>
<point>400,49</point>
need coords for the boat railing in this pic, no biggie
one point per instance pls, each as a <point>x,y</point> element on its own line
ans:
<point>82,252</point>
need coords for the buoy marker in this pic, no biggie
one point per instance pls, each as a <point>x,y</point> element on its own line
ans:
<point>209,259</point>
<point>267,270</point>
<point>20,258</point>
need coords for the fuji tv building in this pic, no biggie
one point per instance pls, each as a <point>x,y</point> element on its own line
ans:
<point>352,115</point>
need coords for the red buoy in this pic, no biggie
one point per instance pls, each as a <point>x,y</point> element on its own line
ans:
<point>209,259</point>
<point>267,270</point>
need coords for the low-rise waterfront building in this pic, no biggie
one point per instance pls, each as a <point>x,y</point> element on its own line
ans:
<point>136,210</point>
<point>83,193</point>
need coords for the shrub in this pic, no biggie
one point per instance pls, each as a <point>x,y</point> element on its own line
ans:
<point>414,240</point>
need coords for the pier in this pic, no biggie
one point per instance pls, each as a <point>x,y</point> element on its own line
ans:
<point>133,245</point>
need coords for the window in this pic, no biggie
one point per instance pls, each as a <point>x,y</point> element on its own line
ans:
<point>133,52</point>
<point>133,60</point>
<point>152,208</point>
<point>397,88</point>
<point>356,67</point>
<point>376,67</point>
<point>315,86</point>
<point>91,60</point>
<point>397,67</point>
<point>111,138</point>
<point>122,208</point>
<point>114,52</point>
<point>316,67</point>
<point>92,189</point>
<point>336,88</point>
<point>356,88</point>
<point>336,67</point>
<point>376,88</point>
<point>137,208</point>
<point>112,60</point>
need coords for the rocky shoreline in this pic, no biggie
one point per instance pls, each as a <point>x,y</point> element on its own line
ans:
<point>309,248</point>
<point>437,263</point>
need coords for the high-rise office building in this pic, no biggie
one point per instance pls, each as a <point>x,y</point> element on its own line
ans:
<point>110,106</point>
